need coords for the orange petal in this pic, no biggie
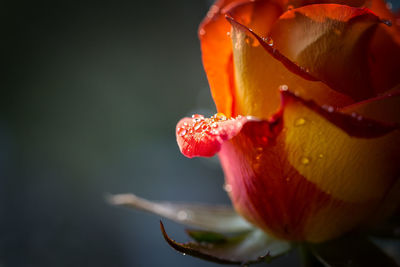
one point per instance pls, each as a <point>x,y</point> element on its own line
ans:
<point>216,51</point>
<point>331,41</point>
<point>216,45</point>
<point>260,70</point>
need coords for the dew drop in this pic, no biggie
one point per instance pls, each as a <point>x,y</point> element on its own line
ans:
<point>305,161</point>
<point>283,87</point>
<point>227,188</point>
<point>386,22</point>
<point>181,131</point>
<point>269,41</point>
<point>197,126</point>
<point>202,32</point>
<point>197,116</point>
<point>248,40</point>
<point>228,33</point>
<point>182,215</point>
<point>300,122</point>
<point>220,116</point>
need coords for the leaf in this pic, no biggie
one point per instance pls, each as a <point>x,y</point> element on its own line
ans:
<point>212,218</point>
<point>205,236</point>
<point>242,249</point>
<point>352,251</point>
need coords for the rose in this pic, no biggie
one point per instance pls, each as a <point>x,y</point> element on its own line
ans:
<point>319,157</point>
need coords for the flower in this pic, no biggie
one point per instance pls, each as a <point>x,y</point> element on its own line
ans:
<point>308,95</point>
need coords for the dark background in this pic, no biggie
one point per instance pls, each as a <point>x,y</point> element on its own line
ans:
<point>89,102</point>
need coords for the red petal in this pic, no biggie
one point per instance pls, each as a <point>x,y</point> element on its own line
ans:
<point>203,137</point>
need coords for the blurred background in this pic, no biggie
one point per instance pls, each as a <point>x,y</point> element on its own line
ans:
<point>89,103</point>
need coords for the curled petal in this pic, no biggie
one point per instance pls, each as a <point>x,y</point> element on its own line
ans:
<point>382,108</point>
<point>203,137</point>
<point>332,42</point>
<point>260,69</point>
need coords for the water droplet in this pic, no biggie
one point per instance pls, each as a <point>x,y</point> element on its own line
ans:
<point>290,7</point>
<point>228,33</point>
<point>215,132</point>
<point>389,5</point>
<point>321,156</point>
<point>305,161</point>
<point>202,32</point>
<point>259,149</point>
<point>197,116</point>
<point>198,125</point>
<point>205,127</point>
<point>300,122</point>
<point>220,116</point>
<point>283,87</point>
<point>387,22</point>
<point>184,254</point>
<point>248,40</point>
<point>181,131</point>
<point>228,188</point>
<point>269,41</point>
<point>182,215</point>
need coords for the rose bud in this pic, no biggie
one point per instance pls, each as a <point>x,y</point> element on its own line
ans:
<point>308,97</point>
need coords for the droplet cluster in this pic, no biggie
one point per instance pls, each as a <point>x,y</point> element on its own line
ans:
<point>203,126</point>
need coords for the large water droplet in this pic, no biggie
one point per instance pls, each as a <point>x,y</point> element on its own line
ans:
<point>300,122</point>
<point>228,188</point>
<point>197,116</point>
<point>305,161</point>
<point>182,215</point>
<point>181,131</point>
<point>283,87</point>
